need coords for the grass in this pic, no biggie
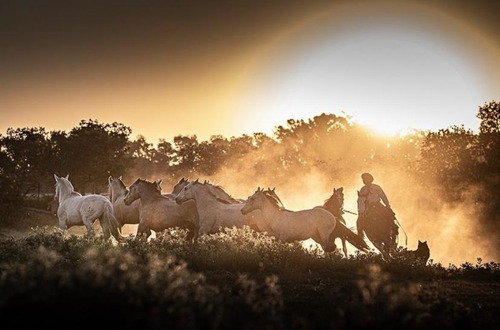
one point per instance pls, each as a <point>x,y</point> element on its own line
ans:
<point>235,279</point>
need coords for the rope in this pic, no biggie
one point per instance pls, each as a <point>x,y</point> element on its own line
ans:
<point>406,236</point>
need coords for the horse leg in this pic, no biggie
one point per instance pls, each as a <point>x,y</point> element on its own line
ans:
<point>190,235</point>
<point>143,229</point>
<point>380,248</point>
<point>63,222</point>
<point>88,224</point>
<point>105,228</point>
<point>360,227</point>
<point>344,247</point>
<point>326,241</point>
<point>204,229</point>
<point>196,234</point>
<point>328,246</point>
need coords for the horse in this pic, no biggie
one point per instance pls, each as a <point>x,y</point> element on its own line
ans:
<point>335,205</point>
<point>76,210</point>
<point>157,212</point>
<point>129,214</point>
<point>381,231</point>
<point>177,188</point>
<point>289,226</point>
<point>216,209</point>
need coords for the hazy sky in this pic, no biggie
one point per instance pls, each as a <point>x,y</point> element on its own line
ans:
<point>229,67</point>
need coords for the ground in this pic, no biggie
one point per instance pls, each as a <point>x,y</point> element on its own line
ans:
<point>235,279</point>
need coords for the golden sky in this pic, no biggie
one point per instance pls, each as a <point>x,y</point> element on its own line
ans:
<point>168,68</point>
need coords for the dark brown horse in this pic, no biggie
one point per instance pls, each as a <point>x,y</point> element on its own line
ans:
<point>335,205</point>
<point>378,224</point>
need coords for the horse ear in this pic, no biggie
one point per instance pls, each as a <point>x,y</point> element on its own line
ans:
<point>205,182</point>
<point>121,178</point>
<point>274,189</point>
<point>358,194</point>
<point>159,182</point>
<point>197,180</point>
<point>425,242</point>
<point>258,189</point>
<point>56,177</point>
<point>110,179</point>
<point>341,189</point>
<point>67,177</point>
<point>334,190</point>
<point>419,242</point>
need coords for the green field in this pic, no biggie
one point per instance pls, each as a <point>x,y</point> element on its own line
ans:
<point>235,279</point>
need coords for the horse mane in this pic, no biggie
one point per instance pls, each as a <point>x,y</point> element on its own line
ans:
<point>220,194</point>
<point>149,184</point>
<point>274,199</point>
<point>331,205</point>
<point>69,185</point>
<point>273,193</point>
<point>122,185</point>
<point>182,180</point>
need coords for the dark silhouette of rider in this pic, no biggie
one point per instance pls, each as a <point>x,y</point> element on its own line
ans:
<point>370,197</point>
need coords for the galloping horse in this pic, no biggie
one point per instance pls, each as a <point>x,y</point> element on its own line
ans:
<point>129,214</point>
<point>381,231</point>
<point>177,188</point>
<point>157,212</point>
<point>76,210</point>
<point>335,205</point>
<point>214,206</point>
<point>288,226</point>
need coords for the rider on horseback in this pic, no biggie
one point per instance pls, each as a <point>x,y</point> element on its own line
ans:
<point>370,207</point>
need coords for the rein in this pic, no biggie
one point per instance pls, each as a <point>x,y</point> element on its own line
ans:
<point>406,236</point>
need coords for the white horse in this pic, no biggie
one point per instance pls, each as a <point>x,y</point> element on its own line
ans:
<point>289,226</point>
<point>157,212</point>
<point>124,214</point>
<point>216,209</point>
<point>76,210</point>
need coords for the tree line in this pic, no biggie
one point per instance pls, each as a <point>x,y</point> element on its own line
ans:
<point>455,158</point>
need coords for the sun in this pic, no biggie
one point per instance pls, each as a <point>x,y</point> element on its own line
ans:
<point>389,77</point>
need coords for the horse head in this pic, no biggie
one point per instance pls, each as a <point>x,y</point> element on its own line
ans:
<point>180,185</point>
<point>253,202</point>
<point>187,193</point>
<point>63,186</point>
<point>335,203</point>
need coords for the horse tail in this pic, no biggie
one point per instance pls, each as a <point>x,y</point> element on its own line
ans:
<point>113,225</point>
<point>343,232</point>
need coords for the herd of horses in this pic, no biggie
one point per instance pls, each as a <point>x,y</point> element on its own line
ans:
<point>205,208</point>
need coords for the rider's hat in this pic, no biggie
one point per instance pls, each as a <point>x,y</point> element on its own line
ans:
<point>367,177</point>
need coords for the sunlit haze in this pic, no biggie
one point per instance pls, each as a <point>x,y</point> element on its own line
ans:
<point>390,65</point>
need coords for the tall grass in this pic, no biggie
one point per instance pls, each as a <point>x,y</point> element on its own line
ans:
<point>237,278</point>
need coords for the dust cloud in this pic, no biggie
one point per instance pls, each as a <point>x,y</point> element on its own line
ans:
<point>454,231</point>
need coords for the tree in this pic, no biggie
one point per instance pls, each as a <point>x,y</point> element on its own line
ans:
<point>450,157</point>
<point>91,152</point>
<point>489,136</point>
<point>187,155</point>
<point>489,114</point>
<point>26,158</point>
